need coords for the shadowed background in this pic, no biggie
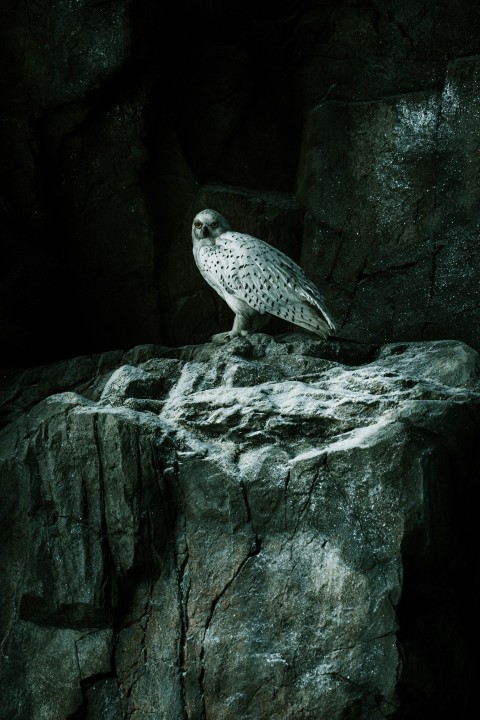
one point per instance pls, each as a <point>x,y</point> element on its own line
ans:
<point>344,133</point>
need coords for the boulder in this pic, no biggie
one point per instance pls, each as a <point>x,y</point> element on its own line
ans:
<point>275,528</point>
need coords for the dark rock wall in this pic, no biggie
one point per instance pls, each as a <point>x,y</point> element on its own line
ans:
<point>345,133</point>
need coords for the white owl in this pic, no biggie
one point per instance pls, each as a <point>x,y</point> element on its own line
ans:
<point>255,279</point>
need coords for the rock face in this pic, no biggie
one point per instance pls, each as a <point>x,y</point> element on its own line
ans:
<point>344,132</point>
<point>272,529</point>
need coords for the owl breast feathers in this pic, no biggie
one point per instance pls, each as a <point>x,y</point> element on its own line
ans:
<point>255,278</point>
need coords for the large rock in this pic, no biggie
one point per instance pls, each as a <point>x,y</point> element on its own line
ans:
<point>372,50</point>
<point>390,187</point>
<point>271,529</point>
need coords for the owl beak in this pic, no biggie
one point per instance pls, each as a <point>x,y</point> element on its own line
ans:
<point>205,231</point>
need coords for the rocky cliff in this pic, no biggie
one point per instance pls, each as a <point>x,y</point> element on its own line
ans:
<point>278,528</point>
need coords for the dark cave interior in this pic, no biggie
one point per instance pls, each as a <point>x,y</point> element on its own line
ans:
<point>344,133</point>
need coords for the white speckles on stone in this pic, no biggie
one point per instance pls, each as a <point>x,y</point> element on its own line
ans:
<point>363,436</point>
<point>309,455</point>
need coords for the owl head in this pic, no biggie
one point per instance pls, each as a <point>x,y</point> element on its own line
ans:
<point>208,224</point>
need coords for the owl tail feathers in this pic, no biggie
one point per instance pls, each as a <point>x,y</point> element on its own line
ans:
<point>320,328</point>
<point>317,320</point>
<point>315,312</point>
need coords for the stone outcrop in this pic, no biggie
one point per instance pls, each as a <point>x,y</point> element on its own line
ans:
<point>278,528</point>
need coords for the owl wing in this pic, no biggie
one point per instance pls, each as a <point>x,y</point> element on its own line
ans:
<point>269,281</point>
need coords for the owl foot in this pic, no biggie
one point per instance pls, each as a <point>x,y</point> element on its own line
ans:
<point>224,337</point>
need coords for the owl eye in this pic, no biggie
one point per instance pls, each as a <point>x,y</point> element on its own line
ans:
<point>198,224</point>
<point>214,224</point>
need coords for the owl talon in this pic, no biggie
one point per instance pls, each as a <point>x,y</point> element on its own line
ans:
<point>224,337</point>
<point>221,338</point>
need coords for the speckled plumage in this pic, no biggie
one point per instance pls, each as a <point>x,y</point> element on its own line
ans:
<point>255,278</point>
